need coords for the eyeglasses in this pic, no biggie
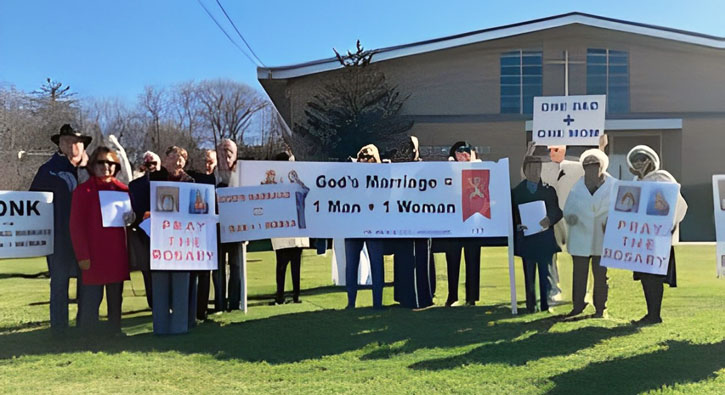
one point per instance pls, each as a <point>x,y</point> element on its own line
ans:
<point>149,164</point>
<point>463,149</point>
<point>365,157</point>
<point>105,162</point>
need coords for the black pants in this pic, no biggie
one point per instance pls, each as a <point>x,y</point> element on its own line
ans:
<point>284,256</point>
<point>472,254</point>
<point>653,287</point>
<point>147,286</point>
<point>202,302</point>
<point>91,302</point>
<point>530,266</point>
<point>579,283</point>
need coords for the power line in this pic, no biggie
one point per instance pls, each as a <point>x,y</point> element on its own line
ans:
<point>226,34</point>
<point>239,33</point>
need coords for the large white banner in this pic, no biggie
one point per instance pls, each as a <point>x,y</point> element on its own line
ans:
<point>568,120</point>
<point>638,235</point>
<point>26,224</point>
<point>718,195</point>
<point>183,226</point>
<point>347,200</point>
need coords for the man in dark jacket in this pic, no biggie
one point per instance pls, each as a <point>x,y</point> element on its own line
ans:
<point>139,191</point>
<point>536,249</point>
<point>59,175</point>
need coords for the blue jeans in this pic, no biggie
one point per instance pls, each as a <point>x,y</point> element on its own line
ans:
<point>352,263</point>
<point>171,302</point>
<point>61,270</point>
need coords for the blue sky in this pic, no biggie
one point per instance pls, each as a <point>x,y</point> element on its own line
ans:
<point>107,48</point>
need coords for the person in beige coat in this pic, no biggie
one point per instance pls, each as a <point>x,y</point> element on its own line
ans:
<point>585,212</point>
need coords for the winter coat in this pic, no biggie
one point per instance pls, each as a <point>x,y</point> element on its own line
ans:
<point>60,177</point>
<point>281,243</point>
<point>586,236</point>
<point>104,247</point>
<point>543,243</point>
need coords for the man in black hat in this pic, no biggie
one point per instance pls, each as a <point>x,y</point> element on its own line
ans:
<point>59,175</point>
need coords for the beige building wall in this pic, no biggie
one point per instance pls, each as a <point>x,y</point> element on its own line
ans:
<point>454,95</point>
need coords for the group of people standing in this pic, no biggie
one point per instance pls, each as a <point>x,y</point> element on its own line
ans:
<point>577,202</point>
<point>101,257</point>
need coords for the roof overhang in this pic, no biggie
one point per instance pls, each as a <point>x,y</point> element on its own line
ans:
<point>286,72</point>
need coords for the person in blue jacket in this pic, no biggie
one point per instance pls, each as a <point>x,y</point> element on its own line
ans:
<point>536,249</point>
<point>59,175</point>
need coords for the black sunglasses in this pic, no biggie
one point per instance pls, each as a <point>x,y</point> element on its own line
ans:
<point>464,148</point>
<point>106,162</point>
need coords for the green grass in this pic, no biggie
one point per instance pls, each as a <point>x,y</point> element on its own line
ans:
<point>316,346</point>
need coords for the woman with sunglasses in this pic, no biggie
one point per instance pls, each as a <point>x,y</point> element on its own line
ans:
<point>100,251</point>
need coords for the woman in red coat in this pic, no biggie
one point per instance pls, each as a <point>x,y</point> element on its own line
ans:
<point>101,251</point>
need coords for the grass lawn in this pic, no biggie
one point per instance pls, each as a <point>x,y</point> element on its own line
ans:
<point>316,346</point>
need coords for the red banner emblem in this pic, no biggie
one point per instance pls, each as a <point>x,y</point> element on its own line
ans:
<point>475,196</point>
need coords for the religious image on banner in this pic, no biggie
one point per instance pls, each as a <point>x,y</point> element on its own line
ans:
<point>638,235</point>
<point>26,224</point>
<point>198,201</point>
<point>627,199</point>
<point>183,226</point>
<point>475,197</point>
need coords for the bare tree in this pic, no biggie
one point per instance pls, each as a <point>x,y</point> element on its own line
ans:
<point>228,108</point>
<point>153,102</point>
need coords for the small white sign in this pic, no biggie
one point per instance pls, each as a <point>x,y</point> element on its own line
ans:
<point>114,205</point>
<point>568,120</point>
<point>531,215</point>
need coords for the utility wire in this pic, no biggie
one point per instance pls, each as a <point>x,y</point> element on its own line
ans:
<point>227,34</point>
<point>239,33</point>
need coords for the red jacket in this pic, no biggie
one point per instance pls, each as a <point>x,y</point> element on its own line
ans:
<point>105,247</point>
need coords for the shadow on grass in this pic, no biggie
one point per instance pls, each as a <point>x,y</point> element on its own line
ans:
<point>679,363</point>
<point>305,292</point>
<point>295,337</point>
<point>43,275</point>
<point>539,345</point>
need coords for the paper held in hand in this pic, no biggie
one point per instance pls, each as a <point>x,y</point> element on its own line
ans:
<point>114,205</point>
<point>531,215</point>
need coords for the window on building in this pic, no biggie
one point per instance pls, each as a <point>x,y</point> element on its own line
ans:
<point>521,80</point>
<point>608,74</point>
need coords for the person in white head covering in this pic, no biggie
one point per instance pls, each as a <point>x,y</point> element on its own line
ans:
<point>585,212</point>
<point>644,163</point>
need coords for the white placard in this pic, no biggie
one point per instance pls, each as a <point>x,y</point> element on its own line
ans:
<point>183,226</point>
<point>568,120</point>
<point>26,224</point>
<point>638,235</point>
<point>417,199</point>
<point>260,212</point>
<point>718,195</point>
<point>114,204</point>
<point>531,215</point>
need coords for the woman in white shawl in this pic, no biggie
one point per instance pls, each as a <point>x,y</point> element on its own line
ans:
<point>644,163</point>
<point>585,213</point>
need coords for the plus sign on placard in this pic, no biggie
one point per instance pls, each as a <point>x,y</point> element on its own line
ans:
<point>568,120</point>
